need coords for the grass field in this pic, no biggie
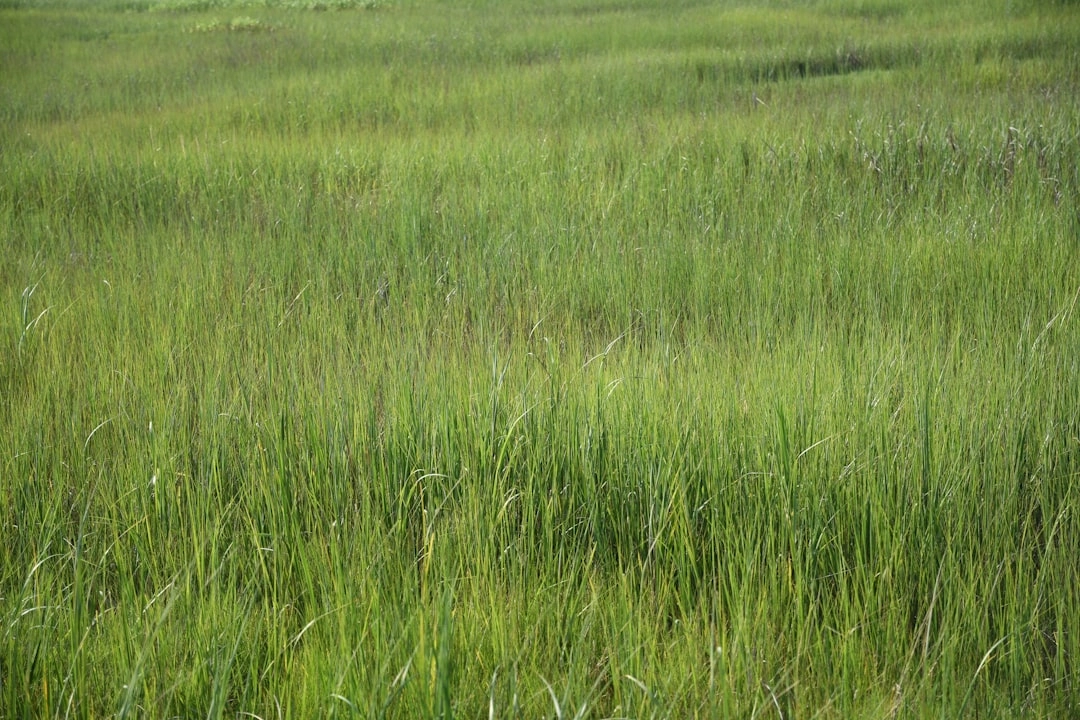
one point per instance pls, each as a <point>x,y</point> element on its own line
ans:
<point>562,358</point>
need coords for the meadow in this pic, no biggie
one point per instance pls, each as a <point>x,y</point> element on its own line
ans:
<point>565,359</point>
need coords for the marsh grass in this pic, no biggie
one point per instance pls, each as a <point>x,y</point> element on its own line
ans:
<point>586,360</point>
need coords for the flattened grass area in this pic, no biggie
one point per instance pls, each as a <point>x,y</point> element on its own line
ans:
<point>583,358</point>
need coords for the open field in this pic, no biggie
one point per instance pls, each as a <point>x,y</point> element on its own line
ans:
<point>576,358</point>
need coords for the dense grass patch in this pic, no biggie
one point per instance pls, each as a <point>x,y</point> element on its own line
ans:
<point>583,358</point>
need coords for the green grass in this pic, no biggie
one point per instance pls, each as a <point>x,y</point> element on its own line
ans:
<point>569,359</point>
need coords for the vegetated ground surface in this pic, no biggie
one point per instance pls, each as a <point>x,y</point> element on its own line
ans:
<point>579,358</point>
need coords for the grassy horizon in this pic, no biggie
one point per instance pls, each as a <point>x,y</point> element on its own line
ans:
<point>576,359</point>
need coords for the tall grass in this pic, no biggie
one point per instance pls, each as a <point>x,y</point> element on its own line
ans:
<point>584,359</point>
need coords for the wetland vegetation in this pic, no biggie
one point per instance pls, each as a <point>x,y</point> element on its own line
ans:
<point>577,358</point>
